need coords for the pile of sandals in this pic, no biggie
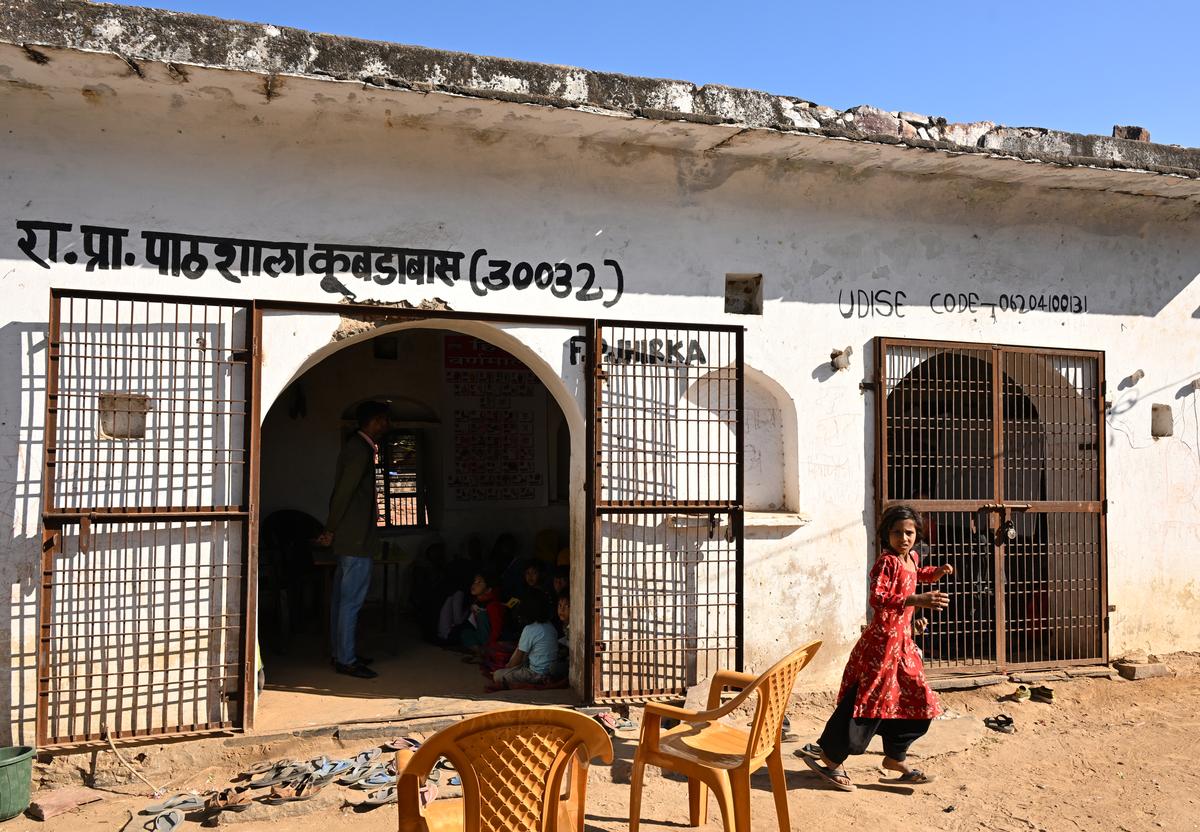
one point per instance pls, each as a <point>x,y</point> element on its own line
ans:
<point>285,781</point>
<point>1005,724</point>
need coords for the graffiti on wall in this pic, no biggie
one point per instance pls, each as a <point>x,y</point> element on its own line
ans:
<point>192,256</point>
<point>668,351</point>
<point>886,303</point>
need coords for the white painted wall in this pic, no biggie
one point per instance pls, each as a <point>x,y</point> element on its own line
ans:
<point>347,168</point>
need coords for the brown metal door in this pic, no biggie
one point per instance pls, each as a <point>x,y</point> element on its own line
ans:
<point>1002,451</point>
<point>666,496</point>
<point>147,555</point>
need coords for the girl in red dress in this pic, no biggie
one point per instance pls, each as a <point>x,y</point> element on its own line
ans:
<point>883,687</point>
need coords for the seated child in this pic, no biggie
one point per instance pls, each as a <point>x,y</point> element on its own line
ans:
<point>452,616</point>
<point>535,661</point>
<point>454,586</point>
<point>562,580</point>
<point>486,621</point>
<point>564,625</point>
<point>536,578</point>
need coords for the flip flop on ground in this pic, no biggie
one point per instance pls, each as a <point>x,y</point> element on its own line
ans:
<point>360,772</point>
<point>260,768</point>
<point>608,721</point>
<point>402,744</point>
<point>1002,723</point>
<point>166,822</point>
<point>387,796</point>
<point>829,775</point>
<point>367,756</point>
<point>234,799</point>
<point>378,780</point>
<point>189,802</point>
<point>302,789</point>
<point>282,775</point>
<point>329,770</point>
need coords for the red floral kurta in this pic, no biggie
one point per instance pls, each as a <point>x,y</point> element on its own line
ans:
<point>885,664</point>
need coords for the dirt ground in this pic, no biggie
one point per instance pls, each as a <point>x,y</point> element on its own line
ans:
<point>1108,755</point>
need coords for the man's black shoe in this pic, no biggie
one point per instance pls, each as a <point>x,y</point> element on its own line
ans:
<point>358,671</point>
<point>357,660</point>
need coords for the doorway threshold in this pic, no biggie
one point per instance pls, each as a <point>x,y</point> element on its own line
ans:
<point>292,713</point>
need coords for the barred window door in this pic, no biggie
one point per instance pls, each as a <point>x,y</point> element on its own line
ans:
<point>146,562</point>
<point>667,502</point>
<point>1002,451</point>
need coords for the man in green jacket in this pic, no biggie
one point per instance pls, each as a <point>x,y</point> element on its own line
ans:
<point>353,531</point>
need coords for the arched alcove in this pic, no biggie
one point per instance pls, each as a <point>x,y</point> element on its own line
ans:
<point>771,452</point>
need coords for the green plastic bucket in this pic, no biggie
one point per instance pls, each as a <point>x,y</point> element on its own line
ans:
<point>16,777</point>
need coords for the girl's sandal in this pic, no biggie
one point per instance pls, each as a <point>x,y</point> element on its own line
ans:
<point>829,775</point>
<point>916,777</point>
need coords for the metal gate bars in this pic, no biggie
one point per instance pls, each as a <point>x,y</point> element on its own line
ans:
<point>666,491</point>
<point>1002,451</point>
<point>146,613</point>
<point>147,492</point>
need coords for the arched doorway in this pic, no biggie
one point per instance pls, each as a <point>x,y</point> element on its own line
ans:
<point>1001,451</point>
<point>468,474</point>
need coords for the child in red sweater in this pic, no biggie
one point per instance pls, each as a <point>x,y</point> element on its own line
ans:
<point>482,629</point>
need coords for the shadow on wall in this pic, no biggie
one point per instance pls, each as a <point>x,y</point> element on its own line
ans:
<point>22,403</point>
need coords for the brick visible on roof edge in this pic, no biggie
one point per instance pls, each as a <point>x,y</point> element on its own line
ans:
<point>138,34</point>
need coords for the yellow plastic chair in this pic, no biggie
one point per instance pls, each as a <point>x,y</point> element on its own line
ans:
<point>713,755</point>
<point>522,770</point>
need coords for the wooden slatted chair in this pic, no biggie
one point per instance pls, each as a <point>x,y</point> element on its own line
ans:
<point>522,770</point>
<point>713,755</point>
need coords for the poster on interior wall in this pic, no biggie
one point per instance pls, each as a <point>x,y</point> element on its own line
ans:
<point>497,427</point>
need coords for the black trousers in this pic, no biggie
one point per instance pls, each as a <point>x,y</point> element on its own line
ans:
<point>846,734</point>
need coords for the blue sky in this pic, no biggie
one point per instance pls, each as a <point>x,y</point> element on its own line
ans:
<point>1068,65</point>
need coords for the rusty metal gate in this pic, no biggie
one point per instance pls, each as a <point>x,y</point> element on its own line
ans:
<point>146,556</point>
<point>666,496</point>
<point>1002,451</point>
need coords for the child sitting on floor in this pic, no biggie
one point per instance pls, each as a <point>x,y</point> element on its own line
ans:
<point>562,580</point>
<point>486,621</point>
<point>564,624</point>
<point>535,661</point>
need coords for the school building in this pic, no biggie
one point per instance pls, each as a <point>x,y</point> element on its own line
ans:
<point>689,340</point>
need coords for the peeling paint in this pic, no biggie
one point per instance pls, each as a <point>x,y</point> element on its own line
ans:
<point>355,325</point>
